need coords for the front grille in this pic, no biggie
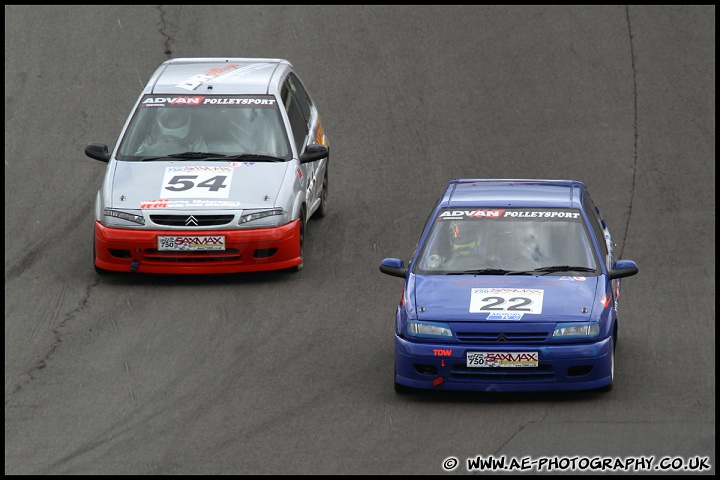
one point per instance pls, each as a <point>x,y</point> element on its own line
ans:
<point>500,337</point>
<point>499,374</point>
<point>208,256</point>
<point>191,221</point>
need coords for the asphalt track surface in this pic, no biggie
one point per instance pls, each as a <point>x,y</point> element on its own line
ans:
<point>280,373</point>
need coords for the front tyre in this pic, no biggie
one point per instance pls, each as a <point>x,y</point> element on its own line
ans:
<point>323,208</point>
<point>98,270</point>
<point>401,389</point>
<point>303,224</point>
<point>609,386</point>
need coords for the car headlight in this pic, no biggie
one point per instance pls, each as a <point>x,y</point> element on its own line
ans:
<point>127,216</point>
<point>255,215</point>
<point>429,330</point>
<point>576,330</point>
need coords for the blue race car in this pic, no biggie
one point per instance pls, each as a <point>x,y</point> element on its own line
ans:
<point>513,286</point>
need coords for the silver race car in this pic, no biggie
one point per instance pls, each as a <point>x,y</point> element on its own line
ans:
<point>217,169</point>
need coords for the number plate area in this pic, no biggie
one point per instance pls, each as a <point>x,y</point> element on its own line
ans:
<point>502,359</point>
<point>191,243</point>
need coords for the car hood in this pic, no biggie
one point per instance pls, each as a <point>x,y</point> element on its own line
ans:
<point>458,298</point>
<point>143,185</point>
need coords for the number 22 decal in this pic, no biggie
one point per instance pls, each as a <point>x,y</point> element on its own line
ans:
<point>511,300</point>
<point>497,304</point>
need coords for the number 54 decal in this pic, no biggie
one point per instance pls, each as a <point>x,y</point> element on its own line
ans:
<point>196,182</point>
<point>512,300</point>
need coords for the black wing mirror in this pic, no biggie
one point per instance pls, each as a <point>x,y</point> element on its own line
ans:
<point>314,152</point>
<point>98,151</point>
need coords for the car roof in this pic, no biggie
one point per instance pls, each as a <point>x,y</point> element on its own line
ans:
<point>513,193</point>
<point>218,76</point>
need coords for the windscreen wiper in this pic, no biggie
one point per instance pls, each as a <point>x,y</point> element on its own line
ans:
<point>252,157</point>
<point>542,270</point>
<point>562,268</point>
<point>187,156</point>
<point>483,271</point>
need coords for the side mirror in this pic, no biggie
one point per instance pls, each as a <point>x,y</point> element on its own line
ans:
<point>314,152</point>
<point>623,268</point>
<point>98,151</point>
<point>394,267</point>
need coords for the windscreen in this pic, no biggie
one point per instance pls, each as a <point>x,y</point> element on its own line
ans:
<point>512,239</point>
<point>228,125</point>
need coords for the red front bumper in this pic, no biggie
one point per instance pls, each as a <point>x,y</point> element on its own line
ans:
<point>253,250</point>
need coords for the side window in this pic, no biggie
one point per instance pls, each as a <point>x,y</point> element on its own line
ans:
<point>301,95</point>
<point>597,225</point>
<point>298,107</point>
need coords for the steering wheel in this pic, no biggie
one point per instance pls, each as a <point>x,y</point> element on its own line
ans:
<point>434,261</point>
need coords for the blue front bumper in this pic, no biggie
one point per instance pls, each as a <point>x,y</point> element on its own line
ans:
<point>560,367</point>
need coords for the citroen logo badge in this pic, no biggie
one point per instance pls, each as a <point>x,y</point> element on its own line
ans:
<point>502,338</point>
<point>191,221</point>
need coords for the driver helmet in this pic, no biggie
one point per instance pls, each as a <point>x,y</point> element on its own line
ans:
<point>174,121</point>
<point>463,239</point>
